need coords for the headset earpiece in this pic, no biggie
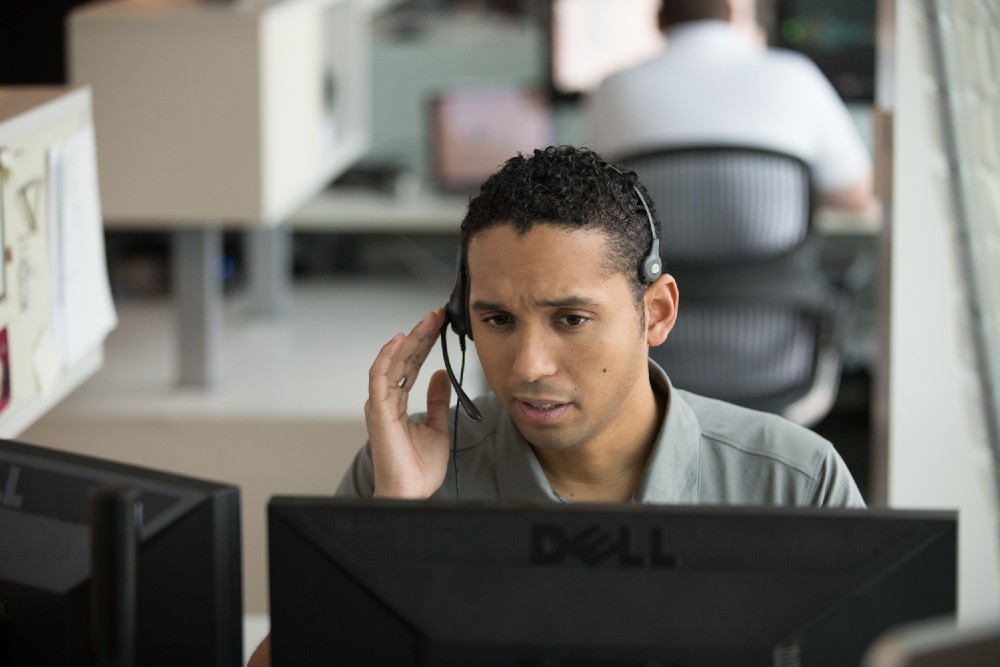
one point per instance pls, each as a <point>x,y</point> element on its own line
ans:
<point>652,266</point>
<point>457,309</point>
<point>456,314</point>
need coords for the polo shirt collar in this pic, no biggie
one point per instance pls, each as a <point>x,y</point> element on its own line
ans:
<point>671,475</point>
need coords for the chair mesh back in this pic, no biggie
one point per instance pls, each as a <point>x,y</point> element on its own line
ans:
<point>743,354</point>
<point>726,204</point>
<point>736,229</point>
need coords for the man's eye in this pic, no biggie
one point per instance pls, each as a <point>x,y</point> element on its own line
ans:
<point>575,320</point>
<point>496,320</point>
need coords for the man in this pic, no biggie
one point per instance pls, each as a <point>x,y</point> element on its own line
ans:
<point>714,84</point>
<point>564,295</point>
<point>555,247</point>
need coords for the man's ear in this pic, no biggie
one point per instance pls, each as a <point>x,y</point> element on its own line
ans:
<point>662,300</point>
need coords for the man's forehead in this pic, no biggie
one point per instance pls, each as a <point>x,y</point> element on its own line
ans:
<point>561,257</point>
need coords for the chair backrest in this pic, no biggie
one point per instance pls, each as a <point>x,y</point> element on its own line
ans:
<point>755,322</point>
<point>725,204</point>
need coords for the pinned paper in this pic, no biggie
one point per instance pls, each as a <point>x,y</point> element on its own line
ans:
<point>83,312</point>
<point>30,193</point>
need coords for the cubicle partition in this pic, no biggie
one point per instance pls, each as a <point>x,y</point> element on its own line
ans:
<point>55,303</point>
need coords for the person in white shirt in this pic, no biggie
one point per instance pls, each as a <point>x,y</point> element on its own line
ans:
<point>715,83</point>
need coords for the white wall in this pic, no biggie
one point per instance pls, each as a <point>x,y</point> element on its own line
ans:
<point>938,455</point>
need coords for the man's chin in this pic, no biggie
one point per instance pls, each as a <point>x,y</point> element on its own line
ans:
<point>548,438</point>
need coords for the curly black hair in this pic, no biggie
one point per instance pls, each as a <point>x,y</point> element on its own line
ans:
<point>574,188</point>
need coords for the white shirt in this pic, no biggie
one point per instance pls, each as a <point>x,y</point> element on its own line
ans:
<point>712,86</point>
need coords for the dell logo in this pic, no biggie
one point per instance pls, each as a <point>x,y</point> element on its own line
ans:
<point>8,490</point>
<point>623,546</point>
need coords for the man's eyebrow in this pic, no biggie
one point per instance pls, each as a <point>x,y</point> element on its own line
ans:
<point>564,302</point>
<point>569,302</point>
<point>485,306</point>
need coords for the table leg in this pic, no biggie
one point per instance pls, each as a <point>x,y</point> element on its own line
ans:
<point>198,295</point>
<point>268,259</point>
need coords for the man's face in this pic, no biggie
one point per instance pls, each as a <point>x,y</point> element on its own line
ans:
<point>557,334</point>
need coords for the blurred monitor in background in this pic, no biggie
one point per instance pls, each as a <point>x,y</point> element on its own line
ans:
<point>476,128</point>
<point>837,35</point>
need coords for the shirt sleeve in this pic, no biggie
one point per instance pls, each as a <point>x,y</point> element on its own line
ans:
<point>359,480</point>
<point>834,485</point>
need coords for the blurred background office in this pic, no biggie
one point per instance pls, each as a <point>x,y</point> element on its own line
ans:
<point>453,88</point>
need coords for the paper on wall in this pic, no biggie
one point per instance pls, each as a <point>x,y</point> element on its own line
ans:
<point>83,311</point>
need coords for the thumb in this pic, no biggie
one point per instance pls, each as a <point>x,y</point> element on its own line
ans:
<point>438,399</point>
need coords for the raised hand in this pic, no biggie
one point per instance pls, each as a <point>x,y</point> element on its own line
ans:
<point>410,459</point>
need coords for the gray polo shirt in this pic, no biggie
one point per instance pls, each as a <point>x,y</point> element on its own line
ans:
<point>707,452</point>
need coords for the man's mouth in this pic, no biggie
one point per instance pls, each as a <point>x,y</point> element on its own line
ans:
<point>542,412</point>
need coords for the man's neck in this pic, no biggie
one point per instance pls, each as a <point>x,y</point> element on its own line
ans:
<point>588,487</point>
<point>610,470</point>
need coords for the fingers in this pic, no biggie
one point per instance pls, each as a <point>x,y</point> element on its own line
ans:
<point>438,401</point>
<point>399,361</point>
<point>378,382</point>
<point>409,357</point>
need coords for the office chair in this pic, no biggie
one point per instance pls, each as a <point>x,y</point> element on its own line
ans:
<point>760,324</point>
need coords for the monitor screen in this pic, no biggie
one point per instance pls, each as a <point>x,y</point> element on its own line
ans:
<point>838,36</point>
<point>476,128</point>
<point>186,567</point>
<point>590,39</point>
<point>438,583</point>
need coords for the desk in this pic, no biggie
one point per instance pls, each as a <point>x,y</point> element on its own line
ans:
<point>367,210</point>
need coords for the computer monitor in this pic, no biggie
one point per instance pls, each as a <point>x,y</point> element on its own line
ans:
<point>838,36</point>
<point>475,128</point>
<point>437,583</point>
<point>185,566</point>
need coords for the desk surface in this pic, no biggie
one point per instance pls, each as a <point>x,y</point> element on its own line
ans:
<point>424,211</point>
<point>366,209</point>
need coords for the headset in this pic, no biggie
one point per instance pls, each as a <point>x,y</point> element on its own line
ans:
<point>456,311</point>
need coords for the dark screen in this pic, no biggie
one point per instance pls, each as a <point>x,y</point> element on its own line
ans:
<point>838,35</point>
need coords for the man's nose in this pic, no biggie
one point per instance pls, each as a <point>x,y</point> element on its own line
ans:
<point>534,359</point>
